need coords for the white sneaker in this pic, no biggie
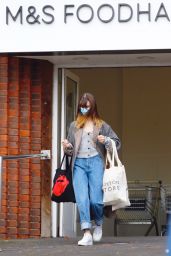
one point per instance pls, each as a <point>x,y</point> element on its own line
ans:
<point>97,234</point>
<point>86,240</point>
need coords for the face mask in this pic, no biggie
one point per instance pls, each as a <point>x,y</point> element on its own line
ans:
<point>84,110</point>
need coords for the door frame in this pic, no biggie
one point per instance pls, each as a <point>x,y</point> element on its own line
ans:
<point>56,210</point>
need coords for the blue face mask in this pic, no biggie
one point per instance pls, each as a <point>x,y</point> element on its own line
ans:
<point>84,110</point>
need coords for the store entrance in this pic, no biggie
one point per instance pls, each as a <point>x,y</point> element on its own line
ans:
<point>136,103</point>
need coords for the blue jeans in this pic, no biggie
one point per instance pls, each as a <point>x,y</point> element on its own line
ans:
<point>87,182</point>
<point>168,247</point>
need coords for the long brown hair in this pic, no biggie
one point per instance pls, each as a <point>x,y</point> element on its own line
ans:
<point>92,113</point>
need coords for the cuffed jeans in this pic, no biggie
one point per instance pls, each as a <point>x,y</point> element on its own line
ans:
<point>87,182</point>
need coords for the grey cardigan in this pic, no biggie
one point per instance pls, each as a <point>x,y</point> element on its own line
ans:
<point>75,134</point>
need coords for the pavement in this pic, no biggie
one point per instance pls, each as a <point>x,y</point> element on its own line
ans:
<point>109,246</point>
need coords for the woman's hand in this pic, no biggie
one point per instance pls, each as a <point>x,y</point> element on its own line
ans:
<point>101,139</point>
<point>66,144</point>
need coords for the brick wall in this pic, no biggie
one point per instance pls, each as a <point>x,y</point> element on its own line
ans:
<point>25,114</point>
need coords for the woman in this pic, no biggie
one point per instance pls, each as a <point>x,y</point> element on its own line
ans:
<point>88,139</point>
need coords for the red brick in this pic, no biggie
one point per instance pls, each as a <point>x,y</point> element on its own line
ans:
<point>2,229</point>
<point>34,225</point>
<point>23,231</point>
<point>24,117</point>
<point>2,223</point>
<point>3,99</point>
<point>24,210</point>
<point>24,139</point>
<point>23,217</point>
<point>23,224</point>
<point>36,198</point>
<point>12,190</point>
<point>12,230</point>
<point>12,170</point>
<point>24,204</point>
<point>3,236</point>
<point>35,212</point>
<point>25,126</point>
<point>24,146</point>
<point>21,236</point>
<point>12,112</point>
<point>35,218</point>
<point>12,223</point>
<point>13,125</point>
<point>36,160</point>
<point>3,209</point>
<point>25,178</point>
<point>3,121</point>
<point>13,151</point>
<point>3,144</point>
<point>3,131</point>
<point>36,178</point>
<point>13,210</point>
<point>35,205</point>
<point>12,204</point>
<point>12,236</point>
<point>23,185</point>
<point>13,139</point>
<point>3,137</point>
<point>3,60</point>
<point>25,170</point>
<point>24,133</point>
<point>12,197</point>
<point>35,185</point>
<point>3,105</point>
<point>12,216</point>
<point>35,134</point>
<point>2,215</point>
<point>13,132</point>
<point>13,177</point>
<point>12,184</point>
<point>34,232</point>
<point>3,92</point>
<point>24,151</point>
<point>24,198</point>
<point>24,191</point>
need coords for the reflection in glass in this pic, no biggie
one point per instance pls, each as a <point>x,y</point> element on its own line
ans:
<point>71,101</point>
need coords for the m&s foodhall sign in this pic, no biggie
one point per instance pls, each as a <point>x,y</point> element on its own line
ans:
<point>76,25</point>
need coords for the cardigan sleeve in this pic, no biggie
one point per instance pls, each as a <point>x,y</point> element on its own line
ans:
<point>108,132</point>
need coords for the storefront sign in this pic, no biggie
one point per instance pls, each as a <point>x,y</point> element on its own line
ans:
<point>76,25</point>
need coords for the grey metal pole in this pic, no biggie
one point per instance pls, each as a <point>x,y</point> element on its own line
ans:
<point>1,159</point>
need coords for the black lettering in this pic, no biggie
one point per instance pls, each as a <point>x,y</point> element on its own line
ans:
<point>67,13</point>
<point>120,7</point>
<point>14,17</point>
<point>148,12</point>
<point>112,13</point>
<point>91,13</point>
<point>31,18</point>
<point>164,15</point>
<point>45,11</point>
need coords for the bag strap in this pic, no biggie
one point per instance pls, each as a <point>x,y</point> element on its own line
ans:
<point>62,160</point>
<point>111,159</point>
<point>68,163</point>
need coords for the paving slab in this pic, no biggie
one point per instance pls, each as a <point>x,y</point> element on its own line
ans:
<point>109,246</point>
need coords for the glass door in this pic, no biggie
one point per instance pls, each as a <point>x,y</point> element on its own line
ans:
<point>70,84</point>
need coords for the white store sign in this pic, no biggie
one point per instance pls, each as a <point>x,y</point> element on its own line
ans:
<point>89,25</point>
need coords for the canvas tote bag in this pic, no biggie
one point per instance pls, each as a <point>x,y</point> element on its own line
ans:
<point>115,182</point>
